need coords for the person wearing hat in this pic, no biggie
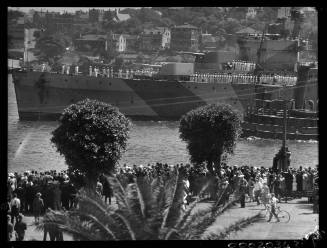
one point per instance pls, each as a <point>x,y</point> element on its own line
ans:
<point>20,228</point>
<point>37,207</point>
<point>273,206</point>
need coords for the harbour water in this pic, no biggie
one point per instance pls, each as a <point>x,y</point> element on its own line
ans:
<point>29,145</point>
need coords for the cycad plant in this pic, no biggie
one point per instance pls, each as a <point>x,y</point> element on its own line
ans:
<point>147,210</point>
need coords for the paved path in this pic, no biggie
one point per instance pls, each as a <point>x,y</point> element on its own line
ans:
<point>34,235</point>
<point>302,221</point>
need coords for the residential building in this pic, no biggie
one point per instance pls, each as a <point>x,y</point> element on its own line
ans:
<point>284,12</point>
<point>132,42</point>
<point>62,22</point>
<point>185,38</point>
<point>155,39</point>
<point>91,42</point>
<point>117,42</point>
<point>208,42</point>
<point>94,15</point>
<point>54,21</point>
<point>82,15</point>
<point>107,42</point>
<point>16,35</point>
<point>251,13</point>
<point>309,12</point>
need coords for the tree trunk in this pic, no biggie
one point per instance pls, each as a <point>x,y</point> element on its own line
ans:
<point>91,182</point>
<point>218,165</point>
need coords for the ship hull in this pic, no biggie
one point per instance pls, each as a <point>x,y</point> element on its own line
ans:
<point>45,95</point>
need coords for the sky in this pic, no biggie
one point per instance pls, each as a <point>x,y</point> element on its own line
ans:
<point>62,9</point>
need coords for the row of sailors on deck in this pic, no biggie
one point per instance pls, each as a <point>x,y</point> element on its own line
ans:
<point>197,77</point>
<point>239,65</point>
<point>242,78</point>
<point>108,72</point>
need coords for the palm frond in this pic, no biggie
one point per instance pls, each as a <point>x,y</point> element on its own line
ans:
<point>218,210</point>
<point>200,221</point>
<point>176,202</point>
<point>187,213</point>
<point>119,193</point>
<point>91,204</point>
<point>158,205</point>
<point>134,201</point>
<point>145,195</point>
<point>69,224</point>
<point>199,226</point>
<point>237,226</point>
<point>103,228</point>
<point>127,224</point>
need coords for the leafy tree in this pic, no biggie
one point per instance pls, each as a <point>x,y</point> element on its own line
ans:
<point>210,131</point>
<point>147,210</point>
<point>52,46</point>
<point>91,136</point>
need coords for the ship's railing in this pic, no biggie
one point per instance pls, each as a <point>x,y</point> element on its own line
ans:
<point>197,77</point>
<point>102,72</point>
<point>243,79</point>
<point>120,73</point>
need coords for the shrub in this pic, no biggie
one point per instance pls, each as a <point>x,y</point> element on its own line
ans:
<point>91,136</point>
<point>210,131</point>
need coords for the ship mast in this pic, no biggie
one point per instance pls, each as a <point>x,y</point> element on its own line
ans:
<point>258,67</point>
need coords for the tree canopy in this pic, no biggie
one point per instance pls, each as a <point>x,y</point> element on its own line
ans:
<point>209,132</point>
<point>91,136</point>
<point>52,46</point>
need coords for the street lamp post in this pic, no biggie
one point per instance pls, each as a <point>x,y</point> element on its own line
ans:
<point>281,161</point>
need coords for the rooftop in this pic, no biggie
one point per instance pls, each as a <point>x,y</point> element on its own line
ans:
<point>92,37</point>
<point>121,17</point>
<point>130,36</point>
<point>154,30</point>
<point>186,26</point>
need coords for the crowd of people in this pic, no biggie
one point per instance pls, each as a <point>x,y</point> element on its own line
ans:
<point>287,183</point>
<point>34,192</point>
